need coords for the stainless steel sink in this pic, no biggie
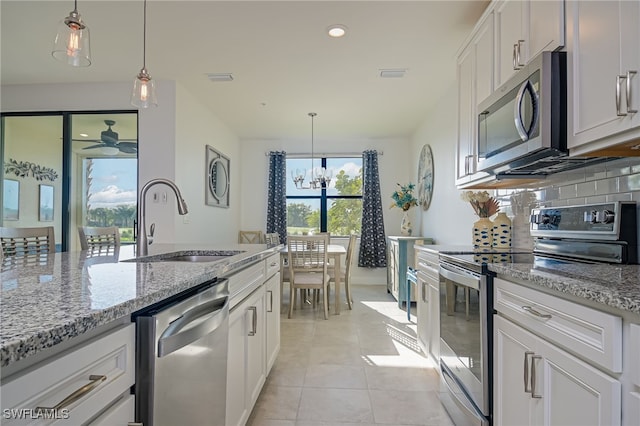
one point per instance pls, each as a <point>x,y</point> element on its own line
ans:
<point>188,256</point>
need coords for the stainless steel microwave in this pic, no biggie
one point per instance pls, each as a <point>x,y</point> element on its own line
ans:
<point>523,123</point>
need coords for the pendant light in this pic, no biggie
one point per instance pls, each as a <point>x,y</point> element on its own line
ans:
<point>144,91</point>
<point>72,43</point>
<point>318,176</point>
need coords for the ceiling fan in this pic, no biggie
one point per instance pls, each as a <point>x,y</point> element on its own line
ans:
<point>109,139</point>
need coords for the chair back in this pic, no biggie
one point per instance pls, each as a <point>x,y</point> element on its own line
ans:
<point>250,237</point>
<point>272,238</point>
<point>351,248</point>
<point>25,241</point>
<point>307,253</point>
<point>97,237</point>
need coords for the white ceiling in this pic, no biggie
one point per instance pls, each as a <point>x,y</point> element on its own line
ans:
<point>283,63</point>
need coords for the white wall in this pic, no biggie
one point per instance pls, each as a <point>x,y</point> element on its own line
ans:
<point>171,144</point>
<point>196,128</point>
<point>392,166</point>
<point>448,219</point>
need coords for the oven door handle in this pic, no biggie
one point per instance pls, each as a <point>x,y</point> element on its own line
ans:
<point>460,277</point>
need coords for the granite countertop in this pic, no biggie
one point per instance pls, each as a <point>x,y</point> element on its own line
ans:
<point>49,299</point>
<point>616,286</point>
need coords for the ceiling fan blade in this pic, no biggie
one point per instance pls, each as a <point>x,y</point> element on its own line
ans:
<point>128,140</point>
<point>87,140</point>
<point>127,149</point>
<point>100,145</point>
<point>129,144</point>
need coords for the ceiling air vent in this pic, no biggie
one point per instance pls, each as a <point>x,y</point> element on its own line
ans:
<point>220,76</point>
<point>393,73</point>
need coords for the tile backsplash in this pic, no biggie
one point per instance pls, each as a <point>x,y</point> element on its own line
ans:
<point>614,180</point>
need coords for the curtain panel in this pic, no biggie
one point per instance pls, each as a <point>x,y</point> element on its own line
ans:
<point>277,195</point>
<point>373,243</point>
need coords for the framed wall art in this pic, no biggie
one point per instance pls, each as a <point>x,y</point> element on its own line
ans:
<point>217,178</point>
<point>45,213</point>
<point>425,177</point>
<point>11,200</point>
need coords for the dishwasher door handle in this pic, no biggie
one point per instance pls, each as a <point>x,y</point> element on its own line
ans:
<point>177,335</point>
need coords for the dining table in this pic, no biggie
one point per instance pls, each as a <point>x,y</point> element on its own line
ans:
<point>334,252</point>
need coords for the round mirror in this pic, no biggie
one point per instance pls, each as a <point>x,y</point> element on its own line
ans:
<point>218,179</point>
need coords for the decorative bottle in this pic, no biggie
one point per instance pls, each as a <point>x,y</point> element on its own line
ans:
<point>482,233</point>
<point>501,232</point>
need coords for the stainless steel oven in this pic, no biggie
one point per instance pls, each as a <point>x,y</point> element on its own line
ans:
<point>465,339</point>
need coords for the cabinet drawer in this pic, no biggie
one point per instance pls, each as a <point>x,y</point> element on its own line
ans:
<point>427,263</point>
<point>244,282</point>
<point>272,265</point>
<point>587,332</point>
<point>111,356</point>
<point>634,351</point>
<point>120,413</point>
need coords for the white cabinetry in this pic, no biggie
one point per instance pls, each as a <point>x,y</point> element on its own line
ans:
<point>554,360</point>
<point>631,414</point>
<point>428,304</point>
<point>254,335</point>
<point>100,372</point>
<point>603,62</point>
<point>523,30</point>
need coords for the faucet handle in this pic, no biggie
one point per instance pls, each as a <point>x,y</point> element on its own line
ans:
<point>152,230</point>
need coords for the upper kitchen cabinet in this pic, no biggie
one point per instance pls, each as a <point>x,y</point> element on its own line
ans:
<point>475,83</point>
<point>524,29</point>
<point>603,84</point>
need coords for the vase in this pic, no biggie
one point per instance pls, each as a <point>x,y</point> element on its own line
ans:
<point>405,226</point>
<point>482,233</point>
<point>501,232</point>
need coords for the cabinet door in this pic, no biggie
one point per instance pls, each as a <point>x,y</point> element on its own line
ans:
<point>509,38</point>
<point>512,404</point>
<point>256,340</point>
<point>422,307</point>
<point>599,34</point>
<point>483,46</point>
<point>574,393</point>
<point>237,410</point>
<point>546,26</point>
<point>466,112</point>
<point>272,300</point>
<point>434,320</point>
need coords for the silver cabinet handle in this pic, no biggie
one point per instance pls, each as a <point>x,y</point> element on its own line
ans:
<point>254,322</point>
<point>619,79</point>
<point>270,301</point>
<point>77,394</point>
<point>527,389</point>
<point>518,49</point>
<point>515,57</point>
<point>533,376</point>
<point>424,292</point>
<point>629,110</point>
<point>536,313</point>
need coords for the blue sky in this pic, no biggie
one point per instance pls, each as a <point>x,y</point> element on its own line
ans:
<point>114,182</point>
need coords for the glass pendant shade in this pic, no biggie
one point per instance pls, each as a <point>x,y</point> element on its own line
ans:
<point>72,44</point>
<point>144,91</point>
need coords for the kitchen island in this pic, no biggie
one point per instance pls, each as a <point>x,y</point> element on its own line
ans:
<point>51,302</point>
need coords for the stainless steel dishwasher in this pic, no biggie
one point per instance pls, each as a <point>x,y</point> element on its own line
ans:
<point>181,358</point>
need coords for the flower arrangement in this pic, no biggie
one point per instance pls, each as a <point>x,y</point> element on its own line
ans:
<point>403,198</point>
<point>483,204</point>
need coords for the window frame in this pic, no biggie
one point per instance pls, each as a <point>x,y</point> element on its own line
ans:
<point>322,196</point>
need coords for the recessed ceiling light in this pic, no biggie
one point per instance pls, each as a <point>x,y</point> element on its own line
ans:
<point>84,135</point>
<point>336,30</point>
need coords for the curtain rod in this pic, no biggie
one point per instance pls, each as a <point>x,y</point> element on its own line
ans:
<point>324,154</point>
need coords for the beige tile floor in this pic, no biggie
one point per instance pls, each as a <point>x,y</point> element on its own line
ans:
<point>362,367</point>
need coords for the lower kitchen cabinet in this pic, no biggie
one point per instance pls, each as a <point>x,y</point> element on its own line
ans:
<point>246,369</point>
<point>428,302</point>
<point>99,372</point>
<point>536,383</point>
<point>272,319</point>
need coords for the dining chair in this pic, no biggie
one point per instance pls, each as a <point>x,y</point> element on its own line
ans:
<point>25,241</point>
<point>307,256</point>
<point>272,238</point>
<point>345,273</point>
<point>92,237</point>
<point>250,237</point>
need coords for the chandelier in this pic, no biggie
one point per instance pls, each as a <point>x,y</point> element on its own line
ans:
<point>318,177</point>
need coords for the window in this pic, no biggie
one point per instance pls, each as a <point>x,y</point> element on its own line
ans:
<point>336,208</point>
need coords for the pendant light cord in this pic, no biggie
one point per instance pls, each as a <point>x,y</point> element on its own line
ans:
<point>75,6</point>
<point>144,37</point>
